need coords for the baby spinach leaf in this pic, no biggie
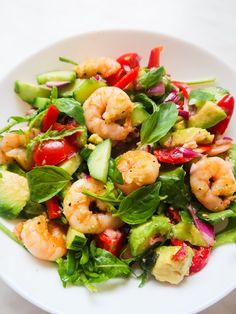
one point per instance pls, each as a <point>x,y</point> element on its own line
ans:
<point>149,78</point>
<point>172,186</point>
<point>139,205</point>
<point>199,96</point>
<point>159,123</point>
<point>228,235</point>
<point>46,182</point>
<point>148,103</point>
<point>72,108</point>
<point>114,173</point>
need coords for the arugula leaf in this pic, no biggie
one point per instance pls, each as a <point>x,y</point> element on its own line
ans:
<point>37,120</point>
<point>159,123</point>
<point>14,120</point>
<point>228,235</point>
<point>140,205</point>
<point>198,97</point>
<point>114,173</point>
<point>46,182</point>
<point>148,103</point>
<point>10,234</point>
<point>149,78</point>
<point>172,186</point>
<point>72,108</point>
<point>66,60</point>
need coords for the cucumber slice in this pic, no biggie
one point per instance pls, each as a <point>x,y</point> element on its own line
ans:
<point>82,136</point>
<point>72,164</point>
<point>139,115</point>
<point>85,88</point>
<point>41,103</point>
<point>98,161</point>
<point>60,76</point>
<point>75,240</point>
<point>28,92</point>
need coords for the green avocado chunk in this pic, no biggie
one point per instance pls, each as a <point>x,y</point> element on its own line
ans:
<point>181,137</point>
<point>141,236</point>
<point>207,116</point>
<point>14,194</point>
<point>139,114</point>
<point>188,232</point>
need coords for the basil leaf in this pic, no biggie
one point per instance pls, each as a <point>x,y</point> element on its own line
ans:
<point>159,123</point>
<point>33,209</point>
<point>228,235</point>
<point>13,167</point>
<point>173,187</point>
<point>46,182</point>
<point>139,205</point>
<point>72,108</point>
<point>148,103</point>
<point>198,97</point>
<point>151,77</point>
<point>114,173</point>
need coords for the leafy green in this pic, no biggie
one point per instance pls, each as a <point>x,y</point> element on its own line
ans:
<point>140,205</point>
<point>46,182</point>
<point>72,108</point>
<point>37,120</point>
<point>159,123</point>
<point>149,78</point>
<point>208,80</point>
<point>198,97</point>
<point>54,94</point>
<point>14,120</point>
<point>10,234</point>
<point>91,266</point>
<point>148,103</point>
<point>173,186</point>
<point>228,235</point>
<point>66,60</point>
<point>13,167</point>
<point>114,173</point>
<point>33,209</point>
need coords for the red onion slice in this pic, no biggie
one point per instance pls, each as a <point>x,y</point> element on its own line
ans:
<point>57,83</point>
<point>183,113</point>
<point>157,90</point>
<point>189,153</point>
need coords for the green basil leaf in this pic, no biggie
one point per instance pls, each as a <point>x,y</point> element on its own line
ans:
<point>148,103</point>
<point>72,108</point>
<point>228,235</point>
<point>159,123</point>
<point>46,182</point>
<point>173,187</point>
<point>198,97</point>
<point>149,78</point>
<point>13,167</point>
<point>114,173</point>
<point>140,205</point>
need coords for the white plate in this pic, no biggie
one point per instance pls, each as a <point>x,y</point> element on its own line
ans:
<point>38,281</point>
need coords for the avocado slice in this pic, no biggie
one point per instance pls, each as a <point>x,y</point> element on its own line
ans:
<point>72,164</point>
<point>28,92</point>
<point>75,240</point>
<point>61,76</point>
<point>85,88</point>
<point>139,114</point>
<point>141,236</point>
<point>207,116</point>
<point>181,137</point>
<point>188,232</point>
<point>14,194</point>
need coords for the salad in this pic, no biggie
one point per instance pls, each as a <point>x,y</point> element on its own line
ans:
<point>119,170</point>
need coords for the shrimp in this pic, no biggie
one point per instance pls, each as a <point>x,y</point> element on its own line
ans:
<point>77,208</point>
<point>42,238</point>
<point>104,109</point>
<point>213,183</point>
<point>138,168</point>
<point>102,65</point>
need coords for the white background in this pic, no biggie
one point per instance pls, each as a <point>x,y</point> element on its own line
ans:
<point>27,26</point>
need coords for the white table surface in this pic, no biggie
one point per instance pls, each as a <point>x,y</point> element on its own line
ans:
<point>27,26</point>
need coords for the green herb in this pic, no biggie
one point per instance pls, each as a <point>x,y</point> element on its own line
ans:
<point>32,209</point>
<point>149,78</point>
<point>62,59</point>
<point>46,182</point>
<point>37,120</point>
<point>198,97</point>
<point>14,120</point>
<point>159,123</point>
<point>54,94</point>
<point>148,103</point>
<point>228,235</point>
<point>10,234</point>
<point>208,80</point>
<point>173,186</point>
<point>140,205</point>
<point>72,108</point>
<point>114,173</point>
<point>13,167</point>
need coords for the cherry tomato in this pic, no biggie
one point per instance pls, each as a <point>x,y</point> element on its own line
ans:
<point>53,208</point>
<point>171,156</point>
<point>50,118</point>
<point>181,253</point>
<point>130,60</point>
<point>200,259</point>
<point>110,240</point>
<point>53,152</point>
<point>154,59</point>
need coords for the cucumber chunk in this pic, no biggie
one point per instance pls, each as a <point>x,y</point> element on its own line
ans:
<point>69,76</point>
<point>41,103</point>
<point>98,161</point>
<point>85,88</point>
<point>81,138</point>
<point>139,115</point>
<point>28,92</point>
<point>75,240</point>
<point>72,164</point>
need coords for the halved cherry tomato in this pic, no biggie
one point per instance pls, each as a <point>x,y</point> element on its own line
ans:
<point>200,259</point>
<point>181,253</point>
<point>53,208</point>
<point>130,60</point>
<point>176,242</point>
<point>128,78</point>
<point>154,59</point>
<point>227,104</point>
<point>50,117</point>
<point>53,152</point>
<point>114,78</point>
<point>184,88</point>
<point>110,240</point>
<point>173,215</point>
<point>171,156</point>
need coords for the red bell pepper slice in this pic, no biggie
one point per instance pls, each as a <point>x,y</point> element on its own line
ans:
<point>154,59</point>
<point>53,208</point>
<point>176,242</point>
<point>227,104</point>
<point>184,88</point>
<point>171,156</point>
<point>128,78</point>
<point>110,240</point>
<point>130,60</point>
<point>200,259</point>
<point>181,254</point>
<point>50,117</point>
<point>114,78</point>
